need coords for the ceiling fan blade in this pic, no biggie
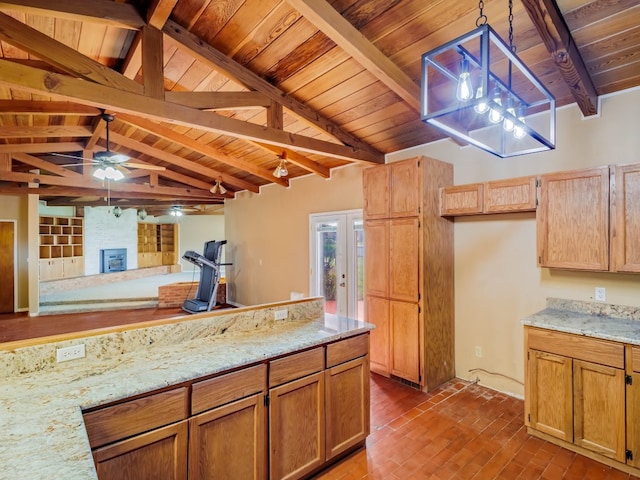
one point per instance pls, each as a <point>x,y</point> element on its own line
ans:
<point>77,157</point>
<point>144,166</point>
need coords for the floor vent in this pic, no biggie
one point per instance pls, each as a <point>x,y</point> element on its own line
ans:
<point>406,382</point>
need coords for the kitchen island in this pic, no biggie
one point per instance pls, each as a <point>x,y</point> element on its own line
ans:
<point>43,433</point>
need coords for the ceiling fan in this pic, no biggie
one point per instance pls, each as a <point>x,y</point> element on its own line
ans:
<point>110,165</point>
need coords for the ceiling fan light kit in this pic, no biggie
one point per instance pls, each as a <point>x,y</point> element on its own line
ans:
<point>476,89</point>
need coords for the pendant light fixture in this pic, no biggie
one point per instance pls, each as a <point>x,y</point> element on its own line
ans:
<point>476,89</point>
<point>281,169</point>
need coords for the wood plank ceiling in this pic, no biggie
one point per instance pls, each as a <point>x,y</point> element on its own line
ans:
<point>212,90</point>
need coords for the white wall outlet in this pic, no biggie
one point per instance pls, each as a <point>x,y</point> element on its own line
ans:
<point>70,353</point>
<point>601,294</point>
<point>479,352</point>
<point>281,314</point>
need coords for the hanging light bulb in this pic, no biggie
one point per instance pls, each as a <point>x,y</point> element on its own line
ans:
<point>518,131</point>
<point>281,169</point>
<point>495,115</point>
<point>117,211</point>
<point>142,214</point>
<point>508,124</point>
<point>481,107</point>
<point>464,92</point>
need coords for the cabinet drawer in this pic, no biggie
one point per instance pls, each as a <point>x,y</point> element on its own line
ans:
<point>635,355</point>
<point>227,388</point>
<point>295,366</point>
<point>577,346</point>
<point>135,416</point>
<point>346,350</point>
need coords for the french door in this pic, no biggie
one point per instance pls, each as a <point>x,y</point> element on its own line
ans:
<point>337,261</point>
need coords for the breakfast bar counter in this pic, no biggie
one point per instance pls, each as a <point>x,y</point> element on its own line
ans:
<point>42,432</point>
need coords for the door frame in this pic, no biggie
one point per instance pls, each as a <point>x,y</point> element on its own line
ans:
<point>347,255</point>
<point>15,260</point>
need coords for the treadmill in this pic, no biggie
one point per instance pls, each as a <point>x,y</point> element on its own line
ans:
<point>209,263</point>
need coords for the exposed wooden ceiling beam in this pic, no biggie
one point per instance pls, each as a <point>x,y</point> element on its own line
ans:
<point>38,107</point>
<point>185,141</point>
<point>61,87</point>
<point>159,12</point>
<point>44,165</point>
<point>219,100</point>
<point>217,60</point>
<point>182,163</point>
<point>300,160</point>
<point>49,131</point>
<point>322,14</point>
<point>41,147</point>
<point>555,34</point>
<point>60,55</point>
<point>98,186</point>
<point>105,12</point>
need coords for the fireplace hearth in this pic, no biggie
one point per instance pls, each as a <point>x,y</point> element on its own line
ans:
<point>113,260</point>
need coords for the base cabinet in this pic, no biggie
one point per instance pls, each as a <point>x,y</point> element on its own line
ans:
<point>308,410</point>
<point>577,390</point>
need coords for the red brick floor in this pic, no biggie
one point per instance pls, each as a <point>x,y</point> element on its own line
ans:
<point>459,431</point>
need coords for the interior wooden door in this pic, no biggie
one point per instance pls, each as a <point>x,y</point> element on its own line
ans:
<point>551,394</point>
<point>599,409</point>
<point>7,266</point>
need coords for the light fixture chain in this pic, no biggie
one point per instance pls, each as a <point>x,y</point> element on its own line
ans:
<point>482,18</point>
<point>511,45</point>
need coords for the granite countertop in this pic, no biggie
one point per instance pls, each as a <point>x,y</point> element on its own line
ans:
<point>598,320</point>
<point>42,434</point>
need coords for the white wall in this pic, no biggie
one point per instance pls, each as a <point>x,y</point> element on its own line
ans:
<point>102,229</point>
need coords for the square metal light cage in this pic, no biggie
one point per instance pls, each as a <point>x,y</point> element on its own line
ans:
<point>499,80</point>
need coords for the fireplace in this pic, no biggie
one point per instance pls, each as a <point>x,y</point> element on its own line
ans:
<point>113,260</point>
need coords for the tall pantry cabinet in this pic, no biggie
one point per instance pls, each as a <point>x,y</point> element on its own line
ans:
<point>409,271</point>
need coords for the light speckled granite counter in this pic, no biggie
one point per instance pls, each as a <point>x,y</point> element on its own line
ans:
<point>599,320</point>
<point>42,434</point>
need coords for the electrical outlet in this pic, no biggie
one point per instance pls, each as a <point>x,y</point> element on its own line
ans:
<point>601,294</point>
<point>281,314</point>
<point>479,352</point>
<point>70,353</point>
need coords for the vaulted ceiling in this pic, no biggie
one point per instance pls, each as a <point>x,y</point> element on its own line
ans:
<point>211,90</point>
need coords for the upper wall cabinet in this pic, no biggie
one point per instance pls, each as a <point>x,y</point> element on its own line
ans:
<point>393,190</point>
<point>573,220</point>
<point>625,212</point>
<point>499,196</point>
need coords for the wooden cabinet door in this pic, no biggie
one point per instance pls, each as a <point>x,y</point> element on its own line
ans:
<point>296,427</point>
<point>599,409</point>
<point>511,195</point>
<point>377,311</point>
<point>73,267</point>
<point>160,453</point>
<point>51,269</point>
<point>375,189</point>
<point>461,199</point>
<point>573,220</point>
<point>550,389</point>
<point>405,340</point>
<point>229,442</point>
<point>404,259</point>
<point>376,269</point>
<point>346,405</point>
<point>625,239</point>
<point>633,409</point>
<point>405,197</point>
